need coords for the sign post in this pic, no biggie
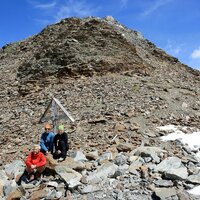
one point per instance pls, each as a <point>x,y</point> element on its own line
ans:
<point>54,107</point>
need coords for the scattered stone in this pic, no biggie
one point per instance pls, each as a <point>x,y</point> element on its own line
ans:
<point>195,178</point>
<point>89,189</point>
<point>173,168</point>
<point>14,169</point>
<point>153,152</point>
<point>105,157</point>
<point>78,156</point>
<point>53,184</point>
<point>120,159</point>
<point>92,155</point>
<point>68,174</point>
<point>124,147</point>
<point>103,172</point>
<point>119,127</point>
<point>163,183</point>
<point>165,193</point>
<point>71,163</point>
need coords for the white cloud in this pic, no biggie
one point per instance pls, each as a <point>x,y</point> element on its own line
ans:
<point>37,4</point>
<point>60,9</point>
<point>46,6</point>
<point>75,8</point>
<point>123,3</point>
<point>155,6</point>
<point>196,53</point>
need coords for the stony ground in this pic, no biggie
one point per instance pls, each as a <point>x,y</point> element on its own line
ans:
<point>130,107</point>
<point>121,104</point>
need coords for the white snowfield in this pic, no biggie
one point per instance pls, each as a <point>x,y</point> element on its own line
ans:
<point>192,140</point>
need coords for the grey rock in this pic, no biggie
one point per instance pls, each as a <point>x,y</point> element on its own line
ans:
<point>176,174</point>
<point>187,149</point>
<point>136,164</point>
<point>93,155</point>
<point>53,184</point>
<point>120,195</point>
<point>69,175</point>
<point>163,183</point>
<point>30,185</point>
<point>195,191</point>
<point>165,193</point>
<point>195,178</point>
<point>3,176</point>
<point>74,183</point>
<point>153,152</point>
<point>147,159</point>
<point>90,189</point>
<point>59,194</point>
<point>173,168</point>
<point>78,156</point>
<point>120,159</point>
<point>9,187</point>
<point>105,156</point>
<point>104,171</point>
<point>134,172</point>
<point>51,194</point>
<point>15,168</point>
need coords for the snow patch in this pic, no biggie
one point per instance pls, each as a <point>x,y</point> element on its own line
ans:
<point>191,139</point>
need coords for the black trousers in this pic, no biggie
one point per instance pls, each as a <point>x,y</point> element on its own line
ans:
<point>63,147</point>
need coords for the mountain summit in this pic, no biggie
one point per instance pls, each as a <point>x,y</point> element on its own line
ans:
<point>89,46</point>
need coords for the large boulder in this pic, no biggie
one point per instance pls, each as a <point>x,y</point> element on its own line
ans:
<point>104,171</point>
<point>172,168</point>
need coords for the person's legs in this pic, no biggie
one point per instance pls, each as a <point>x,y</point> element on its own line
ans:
<point>63,147</point>
<point>39,171</point>
<point>31,172</point>
<point>56,155</point>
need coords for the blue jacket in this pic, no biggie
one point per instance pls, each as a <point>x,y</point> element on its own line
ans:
<point>46,141</point>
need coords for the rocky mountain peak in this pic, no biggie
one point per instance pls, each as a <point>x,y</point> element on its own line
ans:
<point>77,47</point>
<point>89,46</point>
<point>119,87</point>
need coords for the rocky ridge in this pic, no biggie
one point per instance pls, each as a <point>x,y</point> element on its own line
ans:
<point>116,84</point>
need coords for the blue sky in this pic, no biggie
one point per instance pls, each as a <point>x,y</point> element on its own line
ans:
<point>172,25</point>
